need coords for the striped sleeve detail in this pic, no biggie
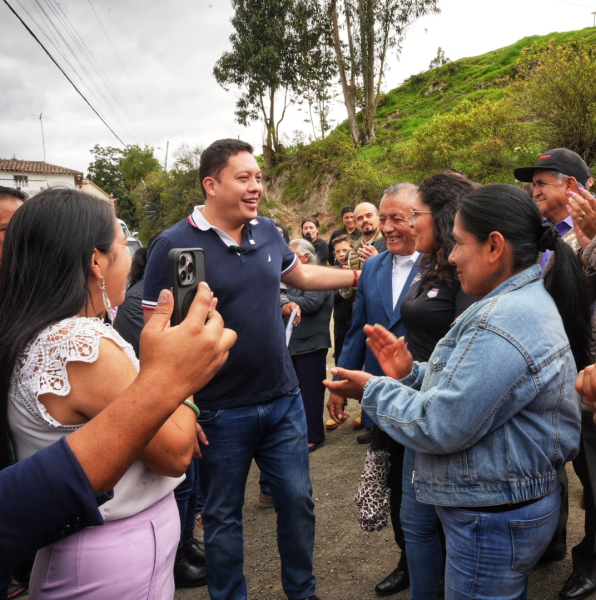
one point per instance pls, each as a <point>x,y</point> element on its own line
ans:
<point>291,267</point>
<point>148,305</point>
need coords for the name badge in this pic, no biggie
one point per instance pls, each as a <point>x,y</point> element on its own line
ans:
<point>433,293</point>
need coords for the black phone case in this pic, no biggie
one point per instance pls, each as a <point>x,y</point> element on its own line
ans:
<point>184,293</point>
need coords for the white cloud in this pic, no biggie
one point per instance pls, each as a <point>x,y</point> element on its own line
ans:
<point>169,51</point>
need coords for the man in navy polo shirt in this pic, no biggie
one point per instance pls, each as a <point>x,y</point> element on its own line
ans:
<point>252,408</point>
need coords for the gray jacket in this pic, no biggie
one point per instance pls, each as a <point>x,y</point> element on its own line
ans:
<point>313,332</point>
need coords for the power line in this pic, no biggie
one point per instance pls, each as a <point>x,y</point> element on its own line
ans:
<point>119,60</point>
<point>62,71</point>
<point>83,67</point>
<point>93,62</point>
<point>576,4</point>
<point>56,44</point>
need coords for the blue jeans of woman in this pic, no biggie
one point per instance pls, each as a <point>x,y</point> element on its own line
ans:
<point>274,434</point>
<point>420,524</point>
<point>491,554</point>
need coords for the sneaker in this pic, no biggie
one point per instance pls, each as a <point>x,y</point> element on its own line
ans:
<point>331,424</point>
<point>365,438</point>
<point>265,500</point>
<point>357,422</point>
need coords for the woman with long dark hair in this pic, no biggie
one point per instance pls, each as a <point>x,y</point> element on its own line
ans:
<point>493,415</point>
<point>310,232</point>
<point>65,264</point>
<point>435,299</point>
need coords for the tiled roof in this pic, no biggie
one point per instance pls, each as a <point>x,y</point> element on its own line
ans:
<point>32,166</point>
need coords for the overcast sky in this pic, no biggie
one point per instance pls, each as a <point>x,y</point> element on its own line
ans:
<point>168,50</point>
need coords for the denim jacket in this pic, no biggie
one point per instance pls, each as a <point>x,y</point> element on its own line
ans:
<point>493,415</point>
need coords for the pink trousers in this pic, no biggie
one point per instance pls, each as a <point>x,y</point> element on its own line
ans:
<point>127,559</point>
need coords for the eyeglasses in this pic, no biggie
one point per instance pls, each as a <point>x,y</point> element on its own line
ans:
<point>414,213</point>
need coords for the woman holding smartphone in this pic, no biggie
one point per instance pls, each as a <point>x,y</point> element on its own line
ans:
<point>65,263</point>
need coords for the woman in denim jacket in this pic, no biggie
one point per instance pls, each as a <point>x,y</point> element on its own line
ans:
<point>493,415</point>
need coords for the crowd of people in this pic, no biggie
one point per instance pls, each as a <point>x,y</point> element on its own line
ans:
<point>462,321</point>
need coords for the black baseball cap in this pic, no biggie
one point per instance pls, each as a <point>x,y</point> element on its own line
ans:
<point>559,159</point>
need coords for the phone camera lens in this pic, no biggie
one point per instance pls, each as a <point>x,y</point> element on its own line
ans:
<point>183,275</point>
<point>190,268</point>
<point>182,260</point>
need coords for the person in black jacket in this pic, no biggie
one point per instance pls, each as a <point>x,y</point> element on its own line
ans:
<point>310,232</point>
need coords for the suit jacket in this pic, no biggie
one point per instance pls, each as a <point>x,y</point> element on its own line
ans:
<point>374,304</point>
<point>44,498</point>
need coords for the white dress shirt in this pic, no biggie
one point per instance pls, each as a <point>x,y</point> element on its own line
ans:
<point>402,265</point>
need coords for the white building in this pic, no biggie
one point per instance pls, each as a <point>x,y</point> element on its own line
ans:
<point>32,177</point>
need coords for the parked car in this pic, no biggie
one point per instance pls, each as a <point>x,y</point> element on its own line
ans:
<point>133,242</point>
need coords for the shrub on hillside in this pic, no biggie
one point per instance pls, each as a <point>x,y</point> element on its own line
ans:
<point>556,87</point>
<point>486,141</point>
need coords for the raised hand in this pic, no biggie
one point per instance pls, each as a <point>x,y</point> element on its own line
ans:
<point>392,353</point>
<point>582,207</point>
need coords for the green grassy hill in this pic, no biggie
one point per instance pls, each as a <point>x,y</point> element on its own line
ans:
<point>320,177</point>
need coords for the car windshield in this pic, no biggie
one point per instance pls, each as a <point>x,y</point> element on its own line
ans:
<point>133,246</point>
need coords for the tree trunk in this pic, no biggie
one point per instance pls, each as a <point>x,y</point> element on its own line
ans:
<point>367,35</point>
<point>348,94</point>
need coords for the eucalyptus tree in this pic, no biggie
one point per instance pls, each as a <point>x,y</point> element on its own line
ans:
<point>364,34</point>
<point>275,61</point>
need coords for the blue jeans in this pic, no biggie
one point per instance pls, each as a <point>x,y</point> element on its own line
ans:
<point>420,524</point>
<point>491,555</point>
<point>274,433</point>
<point>186,499</point>
<point>366,421</point>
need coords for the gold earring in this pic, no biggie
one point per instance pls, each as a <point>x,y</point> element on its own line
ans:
<point>104,294</point>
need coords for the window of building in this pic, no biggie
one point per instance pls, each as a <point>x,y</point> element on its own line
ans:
<point>21,181</point>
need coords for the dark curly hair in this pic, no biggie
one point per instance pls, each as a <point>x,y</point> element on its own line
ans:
<point>442,193</point>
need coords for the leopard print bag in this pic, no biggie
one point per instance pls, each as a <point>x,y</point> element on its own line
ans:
<point>373,492</point>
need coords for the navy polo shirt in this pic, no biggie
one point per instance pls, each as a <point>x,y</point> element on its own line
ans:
<point>259,367</point>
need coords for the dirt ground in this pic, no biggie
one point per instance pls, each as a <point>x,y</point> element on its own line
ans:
<point>348,561</point>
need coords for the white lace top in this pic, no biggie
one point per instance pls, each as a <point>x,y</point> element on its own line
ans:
<point>41,369</point>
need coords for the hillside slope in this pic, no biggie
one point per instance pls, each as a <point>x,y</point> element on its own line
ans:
<point>319,178</point>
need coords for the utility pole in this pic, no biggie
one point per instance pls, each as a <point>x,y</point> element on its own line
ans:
<point>594,23</point>
<point>166,163</point>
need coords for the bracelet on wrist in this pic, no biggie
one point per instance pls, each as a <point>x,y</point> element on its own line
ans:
<point>194,407</point>
<point>355,282</point>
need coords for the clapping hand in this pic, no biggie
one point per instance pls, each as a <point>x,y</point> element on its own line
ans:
<point>586,387</point>
<point>582,207</point>
<point>391,352</point>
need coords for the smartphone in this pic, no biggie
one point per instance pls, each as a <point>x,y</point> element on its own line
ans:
<point>186,269</point>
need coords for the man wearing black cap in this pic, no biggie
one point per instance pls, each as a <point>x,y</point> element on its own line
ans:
<point>557,173</point>
<point>349,228</point>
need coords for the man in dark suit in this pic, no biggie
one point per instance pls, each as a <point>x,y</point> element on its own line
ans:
<point>382,286</point>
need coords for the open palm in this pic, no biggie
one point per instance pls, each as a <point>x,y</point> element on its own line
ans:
<point>392,353</point>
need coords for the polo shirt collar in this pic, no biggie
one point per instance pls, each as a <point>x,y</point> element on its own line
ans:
<point>198,221</point>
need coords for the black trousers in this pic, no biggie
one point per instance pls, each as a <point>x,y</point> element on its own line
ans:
<point>584,554</point>
<point>311,369</point>
<point>396,453</point>
<point>338,344</point>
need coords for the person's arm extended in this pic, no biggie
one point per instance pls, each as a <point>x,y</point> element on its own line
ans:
<point>175,363</point>
<point>316,278</point>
